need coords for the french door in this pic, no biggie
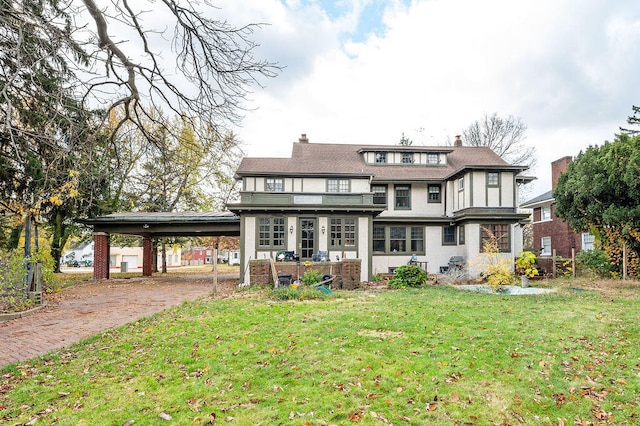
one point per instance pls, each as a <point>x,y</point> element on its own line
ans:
<point>307,237</point>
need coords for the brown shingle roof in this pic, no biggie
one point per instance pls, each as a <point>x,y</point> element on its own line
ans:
<point>347,160</point>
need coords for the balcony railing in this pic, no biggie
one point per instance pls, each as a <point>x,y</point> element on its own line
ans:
<point>305,199</point>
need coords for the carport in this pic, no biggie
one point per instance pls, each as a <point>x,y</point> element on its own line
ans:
<point>154,225</point>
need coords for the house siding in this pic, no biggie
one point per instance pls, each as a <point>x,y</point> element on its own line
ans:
<point>419,225</point>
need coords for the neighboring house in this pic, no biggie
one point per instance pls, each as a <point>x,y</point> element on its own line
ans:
<point>202,256</point>
<point>379,204</point>
<point>79,255</point>
<point>549,231</point>
<point>132,256</point>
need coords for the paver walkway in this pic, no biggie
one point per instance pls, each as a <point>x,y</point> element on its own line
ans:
<point>87,309</point>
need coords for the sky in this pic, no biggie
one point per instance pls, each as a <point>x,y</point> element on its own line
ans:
<point>369,71</point>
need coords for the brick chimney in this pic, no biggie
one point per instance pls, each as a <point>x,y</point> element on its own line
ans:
<point>458,141</point>
<point>303,138</point>
<point>557,168</point>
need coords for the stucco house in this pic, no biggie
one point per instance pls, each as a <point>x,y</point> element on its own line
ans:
<point>379,204</point>
<point>550,233</point>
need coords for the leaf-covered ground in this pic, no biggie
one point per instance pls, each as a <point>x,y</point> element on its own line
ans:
<point>428,356</point>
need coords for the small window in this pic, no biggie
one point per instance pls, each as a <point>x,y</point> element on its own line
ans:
<point>407,158</point>
<point>461,184</point>
<point>381,157</point>
<point>434,193</point>
<point>337,185</point>
<point>274,185</point>
<point>449,235</point>
<point>403,197</point>
<point>493,179</point>
<point>379,194</point>
<point>587,241</point>
<point>433,158</point>
<point>546,246</point>
<point>545,213</point>
<point>461,235</point>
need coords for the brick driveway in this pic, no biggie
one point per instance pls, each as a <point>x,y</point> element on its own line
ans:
<point>84,310</point>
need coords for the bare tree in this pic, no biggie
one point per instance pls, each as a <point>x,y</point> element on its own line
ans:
<point>505,136</point>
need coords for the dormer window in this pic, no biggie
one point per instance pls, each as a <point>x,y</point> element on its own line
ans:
<point>381,157</point>
<point>407,158</point>
<point>433,158</point>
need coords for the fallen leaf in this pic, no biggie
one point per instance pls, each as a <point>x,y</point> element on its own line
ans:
<point>165,416</point>
<point>128,423</point>
<point>455,397</point>
<point>432,406</point>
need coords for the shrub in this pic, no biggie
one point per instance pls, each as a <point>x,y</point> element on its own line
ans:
<point>526,264</point>
<point>496,269</point>
<point>408,276</point>
<point>595,261</point>
<point>311,276</point>
<point>13,271</point>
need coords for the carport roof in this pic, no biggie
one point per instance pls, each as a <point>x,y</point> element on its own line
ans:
<point>160,224</point>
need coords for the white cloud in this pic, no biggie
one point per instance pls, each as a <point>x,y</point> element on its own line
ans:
<point>568,69</point>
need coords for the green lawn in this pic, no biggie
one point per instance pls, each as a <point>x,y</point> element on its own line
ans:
<point>428,356</point>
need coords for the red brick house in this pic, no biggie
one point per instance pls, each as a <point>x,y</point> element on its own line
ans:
<point>549,231</point>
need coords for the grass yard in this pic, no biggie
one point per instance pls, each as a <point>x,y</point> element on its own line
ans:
<point>434,355</point>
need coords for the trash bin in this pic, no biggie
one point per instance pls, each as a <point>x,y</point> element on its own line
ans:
<point>124,266</point>
<point>284,280</point>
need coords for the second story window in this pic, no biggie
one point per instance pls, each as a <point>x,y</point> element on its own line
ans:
<point>434,193</point>
<point>407,158</point>
<point>545,213</point>
<point>337,185</point>
<point>274,185</point>
<point>403,197</point>
<point>460,184</point>
<point>493,179</point>
<point>379,194</point>
<point>433,158</point>
<point>381,157</point>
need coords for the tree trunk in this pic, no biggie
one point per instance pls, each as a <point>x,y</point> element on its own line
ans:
<point>58,240</point>
<point>164,257</point>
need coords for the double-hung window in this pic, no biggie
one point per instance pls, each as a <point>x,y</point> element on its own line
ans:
<point>493,179</point>
<point>545,249</point>
<point>403,197</point>
<point>398,239</point>
<point>271,232</point>
<point>545,213</point>
<point>379,194</point>
<point>448,235</point>
<point>434,193</point>
<point>274,185</point>
<point>379,239</point>
<point>337,185</point>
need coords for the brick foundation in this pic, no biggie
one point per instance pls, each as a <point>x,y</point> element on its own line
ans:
<point>347,271</point>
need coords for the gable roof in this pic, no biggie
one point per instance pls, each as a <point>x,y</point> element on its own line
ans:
<point>317,159</point>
